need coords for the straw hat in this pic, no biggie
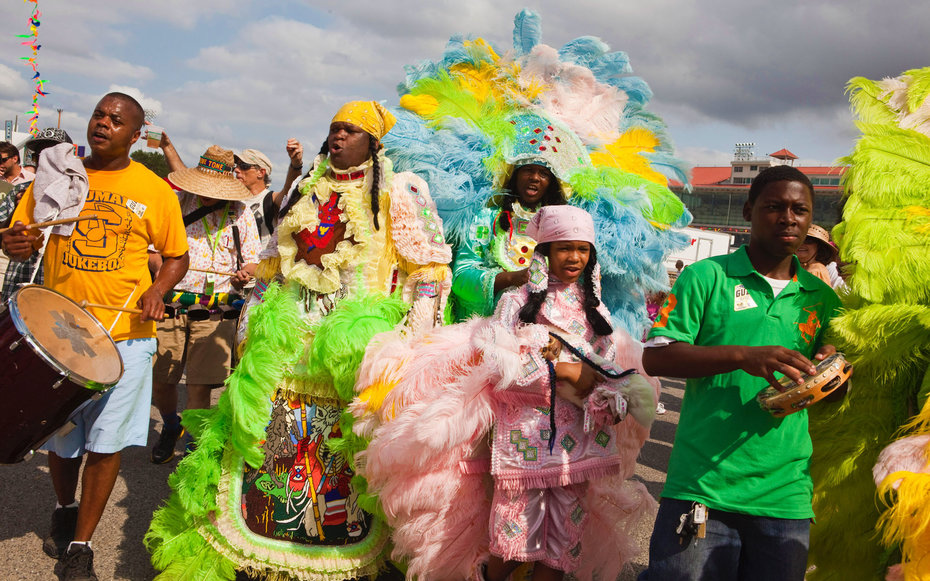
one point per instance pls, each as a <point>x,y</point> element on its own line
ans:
<point>822,237</point>
<point>213,177</point>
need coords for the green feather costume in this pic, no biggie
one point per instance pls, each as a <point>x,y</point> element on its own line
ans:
<point>264,492</point>
<point>884,331</point>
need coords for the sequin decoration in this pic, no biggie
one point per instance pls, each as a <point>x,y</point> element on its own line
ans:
<point>428,221</point>
<point>427,290</point>
<point>570,295</point>
<point>530,367</point>
<point>537,276</point>
<point>577,328</point>
<point>577,514</point>
<point>543,142</point>
<point>602,438</point>
<point>511,529</point>
<point>568,442</point>
<point>523,445</point>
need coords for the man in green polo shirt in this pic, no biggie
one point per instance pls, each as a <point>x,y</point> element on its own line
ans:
<point>729,325</point>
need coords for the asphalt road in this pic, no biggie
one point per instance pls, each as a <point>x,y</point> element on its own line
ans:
<point>27,501</point>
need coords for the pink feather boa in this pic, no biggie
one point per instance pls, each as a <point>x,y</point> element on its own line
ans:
<point>427,459</point>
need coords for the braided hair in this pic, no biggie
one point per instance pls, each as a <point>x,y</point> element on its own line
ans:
<point>534,303</point>
<point>552,197</point>
<point>375,179</point>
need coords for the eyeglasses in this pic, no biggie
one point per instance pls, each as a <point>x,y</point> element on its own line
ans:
<point>243,166</point>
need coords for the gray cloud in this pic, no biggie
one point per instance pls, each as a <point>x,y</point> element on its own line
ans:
<point>721,70</point>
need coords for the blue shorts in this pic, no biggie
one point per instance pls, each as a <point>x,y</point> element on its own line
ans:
<point>121,417</point>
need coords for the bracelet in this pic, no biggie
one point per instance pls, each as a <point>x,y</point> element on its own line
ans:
<point>297,167</point>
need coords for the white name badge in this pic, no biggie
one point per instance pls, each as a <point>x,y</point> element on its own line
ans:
<point>137,208</point>
<point>742,300</point>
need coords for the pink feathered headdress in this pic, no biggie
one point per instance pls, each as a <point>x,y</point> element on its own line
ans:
<point>554,223</point>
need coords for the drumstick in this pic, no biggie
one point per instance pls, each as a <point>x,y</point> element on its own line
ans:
<point>85,304</point>
<point>208,271</point>
<point>54,222</point>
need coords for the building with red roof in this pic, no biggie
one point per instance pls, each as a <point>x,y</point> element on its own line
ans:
<point>718,193</point>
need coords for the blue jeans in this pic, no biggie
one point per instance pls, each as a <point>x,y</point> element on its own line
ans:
<point>737,547</point>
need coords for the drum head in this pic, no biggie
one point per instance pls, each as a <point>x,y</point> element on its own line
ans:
<point>67,336</point>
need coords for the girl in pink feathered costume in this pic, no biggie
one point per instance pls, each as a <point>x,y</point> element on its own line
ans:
<point>546,372</point>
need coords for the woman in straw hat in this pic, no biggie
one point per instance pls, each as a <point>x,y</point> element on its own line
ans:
<point>270,490</point>
<point>817,252</point>
<point>224,245</point>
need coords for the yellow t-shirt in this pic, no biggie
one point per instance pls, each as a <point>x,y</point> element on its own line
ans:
<point>105,261</point>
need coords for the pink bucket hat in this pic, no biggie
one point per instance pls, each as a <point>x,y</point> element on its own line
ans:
<point>553,223</point>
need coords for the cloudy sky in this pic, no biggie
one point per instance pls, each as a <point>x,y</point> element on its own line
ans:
<point>250,73</point>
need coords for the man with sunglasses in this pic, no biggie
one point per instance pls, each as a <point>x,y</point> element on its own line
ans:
<point>198,341</point>
<point>253,169</point>
<point>10,168</point>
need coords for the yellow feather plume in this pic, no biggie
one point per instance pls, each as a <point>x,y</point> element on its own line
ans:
<point>374,394</point>
<point>624,153</point>
<point>423,105</point>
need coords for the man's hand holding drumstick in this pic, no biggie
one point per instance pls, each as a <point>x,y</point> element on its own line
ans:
<point>152,301</point>
<point>19,243</point>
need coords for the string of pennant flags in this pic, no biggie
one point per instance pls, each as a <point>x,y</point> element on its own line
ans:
<point>33,44</point>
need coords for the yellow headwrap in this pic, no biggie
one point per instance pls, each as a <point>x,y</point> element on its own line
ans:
<point>369,115</point>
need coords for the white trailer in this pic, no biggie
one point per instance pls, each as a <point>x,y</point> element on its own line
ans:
<point>704,243</point>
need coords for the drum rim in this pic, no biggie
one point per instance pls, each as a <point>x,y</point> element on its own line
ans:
<point>43,353</point>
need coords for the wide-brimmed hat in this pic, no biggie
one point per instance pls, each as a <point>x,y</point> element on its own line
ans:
<point>822,237</point>
<point>213,177</point>
<point>47,138</point>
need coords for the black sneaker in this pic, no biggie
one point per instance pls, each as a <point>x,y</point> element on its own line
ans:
<point>61,533</point>
<point>163,451</point>
<point>76,564</point>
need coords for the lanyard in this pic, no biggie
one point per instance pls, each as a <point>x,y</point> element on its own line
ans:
<point>214,240</point>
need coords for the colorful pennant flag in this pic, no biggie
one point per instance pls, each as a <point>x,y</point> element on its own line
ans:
<point>33,44</point>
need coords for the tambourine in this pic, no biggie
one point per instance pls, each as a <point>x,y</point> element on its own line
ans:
<point>831,373</point>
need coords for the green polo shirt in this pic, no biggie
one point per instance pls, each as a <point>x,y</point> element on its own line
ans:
<point>728,452</point>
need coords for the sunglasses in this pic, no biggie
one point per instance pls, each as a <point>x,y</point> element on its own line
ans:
<point>3,159</point>
<point>243,166</point>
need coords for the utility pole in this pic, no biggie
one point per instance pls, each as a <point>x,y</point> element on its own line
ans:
<point>59,116</point>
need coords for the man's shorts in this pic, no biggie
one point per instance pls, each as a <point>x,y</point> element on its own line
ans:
<point>121,417</point>
<point>540,524</point>
<point>205,347</point>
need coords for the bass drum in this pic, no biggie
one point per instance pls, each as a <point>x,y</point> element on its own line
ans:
<point>55,356</point>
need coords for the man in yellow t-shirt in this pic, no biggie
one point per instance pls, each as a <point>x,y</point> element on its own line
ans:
<point>105,261</point>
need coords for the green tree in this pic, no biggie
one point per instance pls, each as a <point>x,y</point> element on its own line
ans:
<point>153,160</point>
